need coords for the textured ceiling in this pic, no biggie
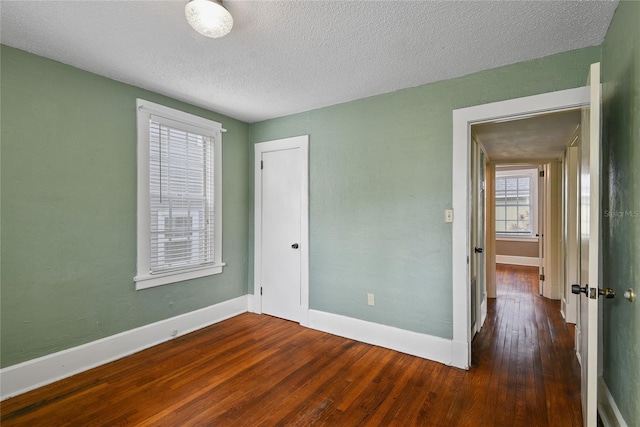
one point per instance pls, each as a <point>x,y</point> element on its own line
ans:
<point>541,137</point>
<point>284,57</point>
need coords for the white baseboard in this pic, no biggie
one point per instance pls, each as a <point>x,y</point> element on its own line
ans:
<point>414,343</point>
<point>518,260</point>
<point>44,370</point>
<point>607,408</point>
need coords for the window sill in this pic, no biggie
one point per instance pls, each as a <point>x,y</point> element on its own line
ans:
<point>153,280</point>
<point>516,239</point>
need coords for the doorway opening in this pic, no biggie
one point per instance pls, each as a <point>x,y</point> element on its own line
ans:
<point>531,206</point>
<point>462,251</point>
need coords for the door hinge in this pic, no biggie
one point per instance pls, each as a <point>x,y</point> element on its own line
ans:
<point>261,164</point>
<point>542,277</point>
<point>260,290</point>
<point>541,173</point>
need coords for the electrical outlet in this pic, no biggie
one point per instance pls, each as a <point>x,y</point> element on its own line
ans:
<point>448,215</point>
<point>370,299</point>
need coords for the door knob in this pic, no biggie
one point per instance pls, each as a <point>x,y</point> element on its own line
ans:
<point>294,246</point>
<point>576,289</point>
<point>607,293</point>
<point>478,250</point>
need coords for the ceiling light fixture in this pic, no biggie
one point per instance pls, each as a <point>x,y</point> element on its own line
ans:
<point>209,17</point>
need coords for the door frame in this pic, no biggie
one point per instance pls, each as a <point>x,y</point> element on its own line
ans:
<point>297,142</point>
<point>462,120</point>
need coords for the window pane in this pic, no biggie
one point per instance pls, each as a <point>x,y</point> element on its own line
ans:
<point>523,213</point>
<point>512,212</point>
<point>524,184</point>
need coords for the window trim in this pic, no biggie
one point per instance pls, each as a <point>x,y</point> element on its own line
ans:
<point>144,110</point>
<point>504,238</point>
<point>506,172</point>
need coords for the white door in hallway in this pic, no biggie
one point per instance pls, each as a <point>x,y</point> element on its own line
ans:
<point>478,234</point>
<point>279,220</point>
<point>589,248</point>
<point>542,214</point>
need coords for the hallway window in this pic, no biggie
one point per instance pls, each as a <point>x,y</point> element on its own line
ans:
<point>515,207</point>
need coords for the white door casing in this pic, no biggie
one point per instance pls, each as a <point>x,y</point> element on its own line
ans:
<point>490,231</point>
<point>281,242</point>
<point>462,120</point>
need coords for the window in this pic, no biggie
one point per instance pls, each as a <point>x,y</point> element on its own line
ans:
<point>179,196</point>
<point>516,202</point>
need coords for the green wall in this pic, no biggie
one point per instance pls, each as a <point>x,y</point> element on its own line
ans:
<point>69,211</point>
<point>621,227</point>
<point>380,180</point>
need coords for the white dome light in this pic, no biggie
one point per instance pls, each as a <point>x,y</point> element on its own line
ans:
<point>209,17</point>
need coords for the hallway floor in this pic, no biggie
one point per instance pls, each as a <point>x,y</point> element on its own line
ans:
<point>526,351</point>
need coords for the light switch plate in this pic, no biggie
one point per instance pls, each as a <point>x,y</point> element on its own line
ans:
<point>448,215</point>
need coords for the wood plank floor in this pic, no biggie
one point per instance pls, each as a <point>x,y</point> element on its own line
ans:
<point>256,370</point>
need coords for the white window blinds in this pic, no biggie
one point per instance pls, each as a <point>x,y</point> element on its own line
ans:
<point>181,196</point>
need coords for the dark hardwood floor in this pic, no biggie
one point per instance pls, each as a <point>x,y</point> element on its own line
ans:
<point>256,370</point>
